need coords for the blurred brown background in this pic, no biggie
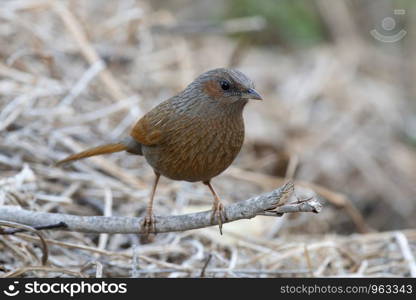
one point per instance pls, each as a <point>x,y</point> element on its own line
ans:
<point>338,116</point>
<point>340,92</point>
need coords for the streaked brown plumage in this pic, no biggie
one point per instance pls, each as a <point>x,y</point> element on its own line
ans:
<point>193,136</point>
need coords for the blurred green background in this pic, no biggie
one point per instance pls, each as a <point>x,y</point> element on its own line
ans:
<point>299,23</point>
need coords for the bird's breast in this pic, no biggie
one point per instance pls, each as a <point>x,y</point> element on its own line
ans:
<point>197,148</point>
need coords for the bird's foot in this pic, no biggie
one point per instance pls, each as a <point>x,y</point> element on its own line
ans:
<point>218,212</point>
<point>149,224</point>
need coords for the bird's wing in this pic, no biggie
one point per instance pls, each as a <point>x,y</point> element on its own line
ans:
<point>145,134</point>
<point>148,130</point>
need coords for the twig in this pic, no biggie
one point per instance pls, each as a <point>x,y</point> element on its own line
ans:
<point>20,271</point>
<point>46,227</point>
<point>99,224</point>
<point>87,50</point>
<point>240,271</point>
<point>407,253</point>
<point>44,246</point>
<point>311,205</point>
<point>202,275</point>
<point>108,211</point>
<point>98,268</point>
<point>83,82</point>
<point>337,199</point>
<point>308,260</point>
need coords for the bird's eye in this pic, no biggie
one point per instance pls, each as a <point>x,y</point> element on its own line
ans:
<point>225,85</point>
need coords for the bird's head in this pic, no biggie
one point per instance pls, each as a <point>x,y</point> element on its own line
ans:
<point>227,86</point>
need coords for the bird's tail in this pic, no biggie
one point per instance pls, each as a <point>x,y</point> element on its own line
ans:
<point>104,149</point>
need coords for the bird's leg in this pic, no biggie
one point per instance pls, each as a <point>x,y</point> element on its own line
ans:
<point>149,219</point>
<point>217,208</point>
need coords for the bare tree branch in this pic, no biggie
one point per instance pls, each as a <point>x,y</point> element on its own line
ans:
<point>266,204</point>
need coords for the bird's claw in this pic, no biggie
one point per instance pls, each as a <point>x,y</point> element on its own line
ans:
<point>218,212</point>
<point>149,224</point>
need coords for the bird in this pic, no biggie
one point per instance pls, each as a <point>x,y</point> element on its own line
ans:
<point>193,136</point>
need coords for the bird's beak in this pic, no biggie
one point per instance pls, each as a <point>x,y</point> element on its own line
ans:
<point>251,94</point>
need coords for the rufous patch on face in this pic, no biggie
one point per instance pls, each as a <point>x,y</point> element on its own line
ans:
<point>213,89</point>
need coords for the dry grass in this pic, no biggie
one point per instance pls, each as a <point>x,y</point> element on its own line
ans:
<point>79,73</point>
